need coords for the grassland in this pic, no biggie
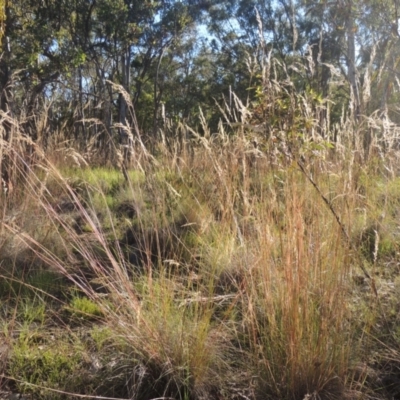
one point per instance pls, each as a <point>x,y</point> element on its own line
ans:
<point>240,265</point>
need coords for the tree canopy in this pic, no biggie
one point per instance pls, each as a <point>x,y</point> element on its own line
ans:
<point>141,63</point>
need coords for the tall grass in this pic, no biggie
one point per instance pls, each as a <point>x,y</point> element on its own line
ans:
<point>231,276</point>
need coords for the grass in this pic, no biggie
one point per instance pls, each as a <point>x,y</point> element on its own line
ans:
<point>83,307</point>
<point>247,267</point>
<point>218,291</point>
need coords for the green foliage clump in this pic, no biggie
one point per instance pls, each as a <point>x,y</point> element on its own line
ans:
<point>43,363</point>
<point>83,307</point>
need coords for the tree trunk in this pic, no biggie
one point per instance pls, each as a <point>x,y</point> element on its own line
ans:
<point>351,62</point>
<point>81,123</point>
<point>5,73</point>
<point>125,136</point>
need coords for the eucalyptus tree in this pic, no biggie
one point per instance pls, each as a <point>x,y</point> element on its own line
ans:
<point>380,55</point>
<point>81,47</point>
<point>4,68</point>
<point>37,49</point>
<point>95,58</point>
<point>130,43</point>
<point>251,36</point>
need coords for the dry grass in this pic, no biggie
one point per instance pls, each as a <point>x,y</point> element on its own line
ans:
<point>241,265</point>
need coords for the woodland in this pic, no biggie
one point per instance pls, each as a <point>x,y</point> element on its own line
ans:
<point>200,199</point>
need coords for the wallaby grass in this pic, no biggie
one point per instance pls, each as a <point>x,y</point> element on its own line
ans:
<point>220,276</point>
<point>250,264</point>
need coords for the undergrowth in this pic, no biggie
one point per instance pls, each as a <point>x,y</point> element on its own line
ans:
<point>235,265</point>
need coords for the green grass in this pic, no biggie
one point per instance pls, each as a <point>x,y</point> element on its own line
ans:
<point>43,365</point>
<point>84,308</point>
